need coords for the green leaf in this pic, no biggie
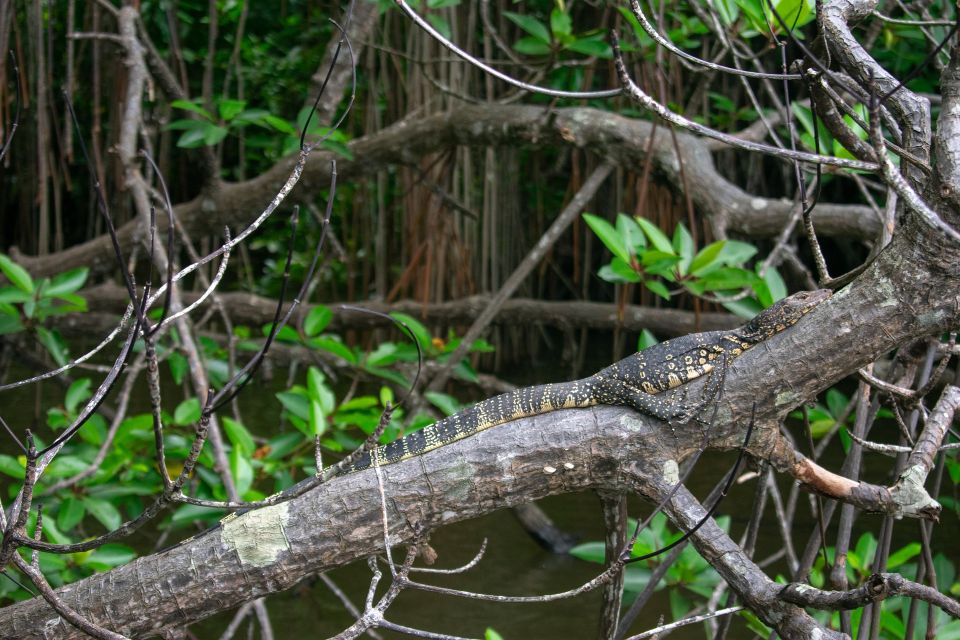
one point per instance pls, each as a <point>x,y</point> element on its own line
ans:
<point>66,282</point>
<point>103,511</point>
<point>54,344</point>
<point>285,334</point>
<point>490,634</point>
<point>630,232</point>
<point>187,412</point>
<point>736,252</point>
<point>608,236</point>
<point>795,13</point>
<point>618,271</point>
<point>335,347</point>
<point>659,240</point>
<point>560,23</point>
<point>281,125</point>
<point>440,24</point>
<point>319,391</point>
<point>283,445</point>
<point>529,24</point>
<point>530,46</point>
<point>110,555</point>
<point>778,288</point>
<point>420,332</point>
<point>16,274</point>
<point>591,46</point>
<point>446,403</point>
<point>318,420</point>
<point>659,262</point>
<point>382,355</point>
<point>386,395</point>
<point>241,470</point>
<point>658,288</point>
<point>13,295</point>
<point>238,435</point>
<point>187,105</point>
<point>10,466</point>
<point>295,403</point>
<point>317,320</point>
<point>646,339</point>
<point>903,555</point>
<point>707,258</point>
<point>70,514</point>
<point>78,392</point>
<point>745,308</point>
<point>205,135</point>
<point>178,366</point>
<point>683,246</point>
<point>230,109</point>
<point>590,551</point>
<point>728,278</point>
<point>836,402</point>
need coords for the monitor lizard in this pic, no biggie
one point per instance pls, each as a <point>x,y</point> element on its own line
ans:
<point>638,381</point>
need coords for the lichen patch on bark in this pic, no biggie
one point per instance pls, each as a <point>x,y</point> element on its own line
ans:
<point>257,536</point>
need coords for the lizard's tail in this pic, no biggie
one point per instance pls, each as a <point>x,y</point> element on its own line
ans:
<point>522,403</point>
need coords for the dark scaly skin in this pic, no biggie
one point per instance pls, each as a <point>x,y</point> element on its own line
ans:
<point>637,381</point>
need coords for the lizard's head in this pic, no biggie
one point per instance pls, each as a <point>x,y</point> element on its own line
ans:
<point>784,313</point>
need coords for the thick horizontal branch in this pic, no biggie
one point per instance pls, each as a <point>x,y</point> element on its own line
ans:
<point>253,310</point>
<point>621,139</point>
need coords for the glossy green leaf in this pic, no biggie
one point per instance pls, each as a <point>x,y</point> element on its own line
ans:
<point>241,470</point>
<point>590,551</point>
<point>529,24</point>
<point>646,339</point>
<point>440,24</point>
<point>317,320</point>
<point>446,403</point>
<point>111,555</point>
<point>318,419</point>
<point>420,332</point>
<point>683,246</point>
<point>383,355</point>
<point>187,412</point>
<point>103,511</point>
<point>658,288</point>
<point>11,467</point>
<point>230,109</point>
<point>281,125</point>
<point>736,253</point>
<point>560,23</point>
<point>904,554</point>
<point>16,274</point>
<point>78,392</point>
<point>612,240</point>
<point>335,347</point>
<point>530,46</point>
<point>187,105</point>
<point>591,46</point>
<point>618,271</point>
<point>295,403</point>
<point>66,282</point>
<point>54,344</point>
<point>656,237</point>
<point>631,233</point>
<point>71,513</point>
<point>238,435</point>
<point>285,334</point>
<point>707,258</point>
